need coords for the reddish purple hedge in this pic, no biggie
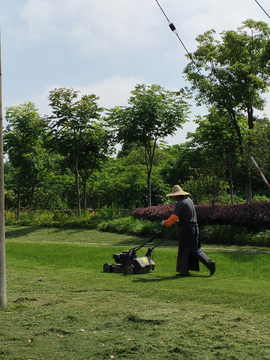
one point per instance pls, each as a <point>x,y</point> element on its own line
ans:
<point>255,215</point>
<point>154,213</point>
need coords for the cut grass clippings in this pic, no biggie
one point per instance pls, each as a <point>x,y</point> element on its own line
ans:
<point>61,305</point>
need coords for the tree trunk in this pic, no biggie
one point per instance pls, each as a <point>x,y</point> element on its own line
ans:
<point>149,159</point>
<point>34,182</point>
<point>84,196</point>
<point>230,167</point>
<point>76,172</point>
<point>231,189</point>
<point>78,192</point>
<point>248,185</point>
<point>18,204</point>
<point>149,188</point>
<point>247,174</point>
<point>19,197</point>
<point>250,118</point>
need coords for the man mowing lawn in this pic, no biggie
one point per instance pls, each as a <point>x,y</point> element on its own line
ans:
<point>189,250</point>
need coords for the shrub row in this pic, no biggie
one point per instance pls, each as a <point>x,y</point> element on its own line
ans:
<point>209,234</point>
<point>233,235</point>
<point>255,215</point>
<point>154,213</point>
<point>130,226</point>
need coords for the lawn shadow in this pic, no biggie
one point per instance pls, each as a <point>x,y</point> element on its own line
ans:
<point>26,230</point>
<point>131,242</point>
<point>166,278</point>
<point>139,241</point>
<point>20,232</point>
<point>243,256</point>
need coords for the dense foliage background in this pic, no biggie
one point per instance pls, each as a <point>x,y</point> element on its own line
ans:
<point>122,180</point>
<point>68,161</point>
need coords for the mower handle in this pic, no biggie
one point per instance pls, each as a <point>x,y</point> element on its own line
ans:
<point>150,250</point>
<point>157,232</point>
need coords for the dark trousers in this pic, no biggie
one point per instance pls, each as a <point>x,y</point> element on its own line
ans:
<point>189,250</point>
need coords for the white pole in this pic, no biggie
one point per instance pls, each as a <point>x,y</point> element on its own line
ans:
<point>260,172</point>
<point>3,297</point>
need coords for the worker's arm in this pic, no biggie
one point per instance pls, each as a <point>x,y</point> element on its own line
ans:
<point>171,221</point>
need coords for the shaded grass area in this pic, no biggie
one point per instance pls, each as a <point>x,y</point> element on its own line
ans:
<point>80,236</point>
<point>62,306</point>
<point>113,220</point>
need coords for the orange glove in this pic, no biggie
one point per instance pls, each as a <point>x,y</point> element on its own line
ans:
<point>172,220</point>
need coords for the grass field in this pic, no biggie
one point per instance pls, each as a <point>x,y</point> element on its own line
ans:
<point>61,305</point>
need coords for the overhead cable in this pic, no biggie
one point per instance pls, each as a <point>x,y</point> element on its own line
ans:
<point>173,28</point>
<point>262,8</point>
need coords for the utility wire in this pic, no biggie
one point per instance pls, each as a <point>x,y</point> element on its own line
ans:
<point>262,8</point>
<point>163,11</point>
<point>173,28</point>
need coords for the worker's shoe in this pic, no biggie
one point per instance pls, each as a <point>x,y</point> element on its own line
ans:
<point>183,275</point>
<point>212,267</point>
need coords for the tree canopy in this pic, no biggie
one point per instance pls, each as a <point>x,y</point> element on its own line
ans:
<point>152,114</point>
<point>233,74</point>
<point>229,74</point>
<point>23,144</point>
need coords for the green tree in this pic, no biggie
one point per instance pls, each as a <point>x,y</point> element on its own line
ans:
<point>97,145</point>
<point>10,186</point>
<point>55,183</point>
<point>181,160</point>
<point>233,74</point>
<point>152,114</point>
<point>216,136</point>
<point>55,191</point>
<point>123,184</point>
<point>74,124</point>
<point>39,157</point>
<point>206,187</point>
<point>22,143</point>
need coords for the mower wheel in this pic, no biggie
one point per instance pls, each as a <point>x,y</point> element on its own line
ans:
<point>107,268</point>
<point>129,269</point>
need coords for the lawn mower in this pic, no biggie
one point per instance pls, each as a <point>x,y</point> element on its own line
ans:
<point>128,261</point>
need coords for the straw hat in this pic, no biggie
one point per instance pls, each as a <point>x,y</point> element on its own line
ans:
<point>177,190</point>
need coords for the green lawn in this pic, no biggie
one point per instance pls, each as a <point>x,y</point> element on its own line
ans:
<point>61,305</point>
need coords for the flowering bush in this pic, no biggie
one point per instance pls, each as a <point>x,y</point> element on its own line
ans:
<point>154,213</point>
<point>10,217</point>
<point>67,218</point>
<point>255,215</point>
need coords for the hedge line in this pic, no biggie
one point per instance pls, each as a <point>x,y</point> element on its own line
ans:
<point>254,216</point>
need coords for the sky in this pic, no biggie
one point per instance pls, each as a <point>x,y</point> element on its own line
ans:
<point>107,47</point>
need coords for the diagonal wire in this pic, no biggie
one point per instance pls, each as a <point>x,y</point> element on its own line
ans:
<point>173,28</point>
<point>163,11</point>
<point>262,8</point>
